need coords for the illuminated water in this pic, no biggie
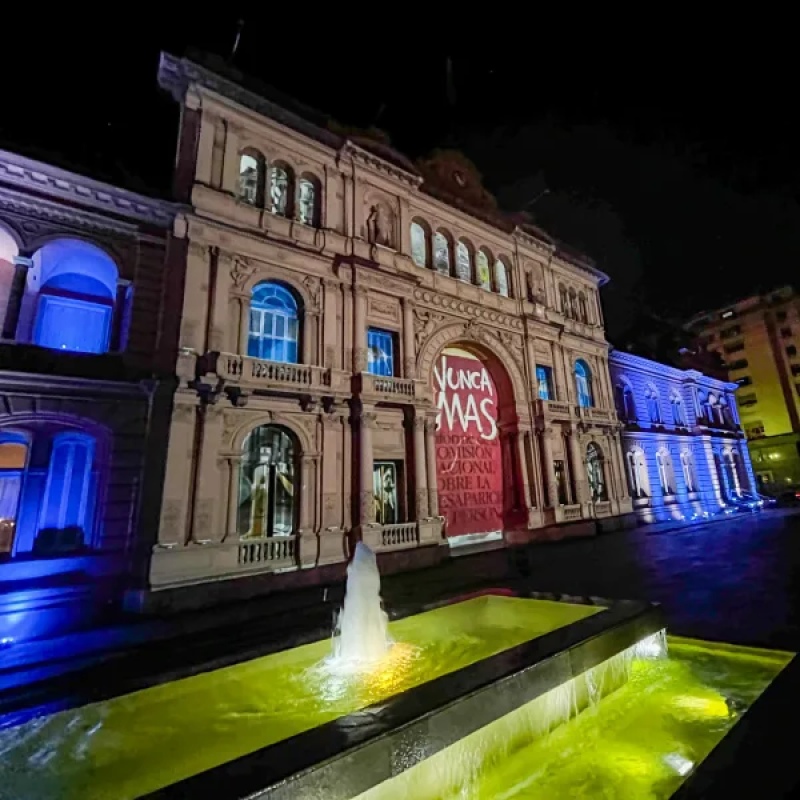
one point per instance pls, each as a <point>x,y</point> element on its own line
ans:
<point>362,630</point>
<point>639,742</point>
<point>137,743</point>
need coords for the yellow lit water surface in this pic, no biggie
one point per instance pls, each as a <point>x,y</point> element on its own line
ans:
<point>638,743</point>
<point>136,743</point>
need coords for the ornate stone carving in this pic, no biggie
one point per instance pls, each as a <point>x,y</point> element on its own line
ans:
<point>312,287</point>
<point>384,308</point>
<point>425,323</point>
<point>242,271</point>
<point>368,419</point>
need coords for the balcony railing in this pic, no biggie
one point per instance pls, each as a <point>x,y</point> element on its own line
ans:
<point>257,373</point>
<point>553,408</point>
<point>572,513</point>
<point>391,388</point>
<point>595,414</point>
<point>272,551</point>
<point>400,535</point>
<point>602,508</point>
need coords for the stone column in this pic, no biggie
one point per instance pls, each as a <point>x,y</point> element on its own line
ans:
<point>430,458</point>
<point>208,525</point>
<point>578,468</point>
<point>537,481</point>
<point>310,337</point>
<point>409,347</point>
<point>195,298</point>
<point>305,524</point>
<point>18,284</point>
<point>359,329</point>
<point>233,465</point>
<point>523,469</point>
<point>172,529</point>
<point>366,497</point>
<point>615,446</point>
<point>547,449</point>
<point>218,313</point>
<point>230,163</point>
<point>331,355</point>
<point>420,469</point>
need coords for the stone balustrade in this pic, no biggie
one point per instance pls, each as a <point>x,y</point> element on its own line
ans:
<point>399,536</point>
<point>572,513</point>
<point>268,551</point>
<point>554,409</point>
<point>256,373</point>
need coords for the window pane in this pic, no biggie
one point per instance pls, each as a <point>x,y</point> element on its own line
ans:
<point>66,323</point>
<point>279,191</point>
<point>380,352</point>
<point>306,200</point>
<point>441,254</point>
<point>463,263</point>
<point>384,487</point>
<point>274,324</point>
<point>419,245</point>
<point>500,277</point>
<point>248,179</point>
<point>484,276</point>
<point>543,378</point>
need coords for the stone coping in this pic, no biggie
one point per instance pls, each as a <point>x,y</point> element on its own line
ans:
<point>347,756</point>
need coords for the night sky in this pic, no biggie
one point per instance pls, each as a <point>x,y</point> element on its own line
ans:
<point>674,165</point>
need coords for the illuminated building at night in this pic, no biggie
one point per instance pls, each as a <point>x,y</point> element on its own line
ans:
<point>685,452</point>
<point>369,348</point>
<point>758,338</point>
<point>82,286</point>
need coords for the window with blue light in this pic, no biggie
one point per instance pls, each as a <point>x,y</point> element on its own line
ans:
<point>77,291</point>
<point>380,352</point>
<point>544,377</point>
<point>583,384</point>
<point>13,461</point>
<point>274,324</point>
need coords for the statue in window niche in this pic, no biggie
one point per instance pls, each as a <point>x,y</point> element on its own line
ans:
<point>379,225</point>
<point>279,191</point>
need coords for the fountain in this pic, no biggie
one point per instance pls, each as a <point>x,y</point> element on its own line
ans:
<point>361,633</point>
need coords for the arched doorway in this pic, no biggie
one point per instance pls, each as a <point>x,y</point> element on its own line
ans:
<point>476,464</point>
<point>268,484</point>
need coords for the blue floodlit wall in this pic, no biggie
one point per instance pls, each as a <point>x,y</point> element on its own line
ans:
<point>655,445</point>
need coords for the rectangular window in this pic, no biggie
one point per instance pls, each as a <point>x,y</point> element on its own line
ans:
<point>385,487</point>
<point>791,351</point>
<point>745,380</point>
<point>786,333</point>
<point>544,377</point>
<point>780,316</point>
<point>734,348</point>
<point>380,352</point>
<point>795,369</point>
<point>748,399</point>
<point>739,364</point>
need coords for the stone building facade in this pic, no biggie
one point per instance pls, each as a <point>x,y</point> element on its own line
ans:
<point>368,349</point>
<point>83,287</point>
<point>685,451</point>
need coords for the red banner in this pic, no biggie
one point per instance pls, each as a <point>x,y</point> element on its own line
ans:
<point>468,453</point>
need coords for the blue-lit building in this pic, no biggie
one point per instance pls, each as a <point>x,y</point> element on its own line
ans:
<point>685,452</point>
<point>84,338</point>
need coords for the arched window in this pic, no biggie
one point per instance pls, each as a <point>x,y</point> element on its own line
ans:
<point>251,178</point>
<point>711,409</point>
<point>583,384</point>
<point>441,253</point>
<point>501,278</point>
<point>280,190</point>
<point>274,324</point>
<point>726,417</point>
<point>267,484</point>
<point>678,417</point>
<point>563,298</point>
<point>463,262</point>
<point>595,470</point>
<point>71,299</point>
<point>687,467</point>
<point>637,473</point>
<point>653,408</point>
<point>13,461</point>
<point>308,201</point>
<point>483,273</point>
<point>583,312</point>
<point>66,521</point>
<point>626,405</point>
<point>665,477</point>
<point>420,243</point>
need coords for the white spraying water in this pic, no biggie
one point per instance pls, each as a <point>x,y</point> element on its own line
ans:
<point>361,636</point>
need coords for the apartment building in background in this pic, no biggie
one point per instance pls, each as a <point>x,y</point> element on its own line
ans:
<point>759,340</point>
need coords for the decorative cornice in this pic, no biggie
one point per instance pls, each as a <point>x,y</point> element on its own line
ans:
<point>44,179</point>
<point>369,160</point>
<point>630,361</point>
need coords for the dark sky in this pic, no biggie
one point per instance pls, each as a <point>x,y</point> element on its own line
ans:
<point>672,162</point>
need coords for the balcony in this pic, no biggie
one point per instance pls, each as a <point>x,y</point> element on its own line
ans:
<point>399,536</point>
<point>249,374</point>
<point>552,409</point>
<point>386,388</point>
<point>603,415</point>
<point>275,552</point>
